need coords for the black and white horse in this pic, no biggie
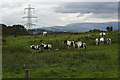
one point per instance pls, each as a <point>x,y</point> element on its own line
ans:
<point>108,40</point>
<point>101,41</point>
<point>46,47</point>
<point>33,47</point>
<point>69,43</point>
<point>102,34</point>
<point>79,45</point>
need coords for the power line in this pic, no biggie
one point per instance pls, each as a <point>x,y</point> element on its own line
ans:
<point>29,11</point>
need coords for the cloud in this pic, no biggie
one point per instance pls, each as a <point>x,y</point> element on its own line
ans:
<point>60,14</point>
<point>60,0</point>
<point>89,11</point>
<point>88,7</point>
<point>99,9</point>
<point>12,14</point>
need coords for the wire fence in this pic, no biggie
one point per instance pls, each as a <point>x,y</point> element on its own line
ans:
<point>38,65</point>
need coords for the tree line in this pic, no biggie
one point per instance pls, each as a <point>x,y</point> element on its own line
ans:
<point>13,30</point>
<point>108,28</point>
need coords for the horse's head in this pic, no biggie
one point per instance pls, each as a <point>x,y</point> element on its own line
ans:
<point>65,41</point>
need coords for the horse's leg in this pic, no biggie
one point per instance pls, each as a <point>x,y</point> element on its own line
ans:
<point>49,49</point>
<point>30,50</point>
<point>78,48</point>
<point>74,46</point>
<point>35,51</point>
<point>85,49</point>
<point>43,49</point>
<point>96,43</point>
<point>68,47</point>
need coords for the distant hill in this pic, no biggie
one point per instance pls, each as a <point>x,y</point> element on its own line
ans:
<point>80,27</point>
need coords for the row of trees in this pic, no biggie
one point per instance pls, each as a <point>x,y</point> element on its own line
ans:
<point>108,28</point>
<point>13,30</point>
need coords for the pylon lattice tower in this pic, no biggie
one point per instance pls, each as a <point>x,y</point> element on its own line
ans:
<point>29,17</point>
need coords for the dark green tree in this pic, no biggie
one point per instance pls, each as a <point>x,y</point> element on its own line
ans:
<point>109,28</point>
<point>94,30</point>
<point>4,29</point>
<point>13,30</point>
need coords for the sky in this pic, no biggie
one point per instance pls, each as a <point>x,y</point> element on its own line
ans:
<point>59,13</point>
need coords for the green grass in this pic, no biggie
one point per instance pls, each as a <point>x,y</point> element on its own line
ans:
<point>98,62</point>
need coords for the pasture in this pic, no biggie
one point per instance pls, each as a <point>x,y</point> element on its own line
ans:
<point>99,61</point>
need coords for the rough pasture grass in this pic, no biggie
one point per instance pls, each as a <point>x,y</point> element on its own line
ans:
<point>98,62</point>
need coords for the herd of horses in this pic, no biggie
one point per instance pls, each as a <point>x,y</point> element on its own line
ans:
<point>101,40</point>
<point>75,44</point>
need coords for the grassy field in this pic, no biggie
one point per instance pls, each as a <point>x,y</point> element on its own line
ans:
<point>98,62</point>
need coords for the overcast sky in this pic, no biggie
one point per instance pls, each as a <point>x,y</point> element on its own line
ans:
<point>60,13</point>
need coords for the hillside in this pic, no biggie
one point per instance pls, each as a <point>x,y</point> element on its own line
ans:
<point>80,27</point>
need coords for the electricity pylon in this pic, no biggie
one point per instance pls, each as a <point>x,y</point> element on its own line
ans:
<point>29,11</point>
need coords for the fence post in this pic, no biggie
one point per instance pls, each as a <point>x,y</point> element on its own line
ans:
<point>27,74</point>
<point>58,44</point>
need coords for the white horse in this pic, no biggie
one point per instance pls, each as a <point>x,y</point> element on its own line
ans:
<point>101,41</point>
<point>97,41</point>
<point>44,33</point>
